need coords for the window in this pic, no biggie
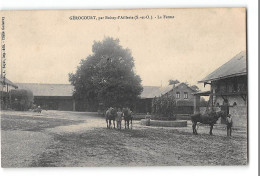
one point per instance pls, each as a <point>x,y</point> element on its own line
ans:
<point>177,95</point>
<point>185,95</point>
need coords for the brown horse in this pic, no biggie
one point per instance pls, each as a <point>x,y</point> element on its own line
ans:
<point>210,119</point>
<point>128,117</point>
<point>111,114</point>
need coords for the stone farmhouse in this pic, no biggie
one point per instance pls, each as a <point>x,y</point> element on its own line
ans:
<point>182,93</point>
<point>229,89</point>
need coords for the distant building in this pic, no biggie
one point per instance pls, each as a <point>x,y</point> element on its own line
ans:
<point>144,104</point>
<point>228,88</point>
<point>182,93</point>
<point>52,96</point>
<point>5,86</point>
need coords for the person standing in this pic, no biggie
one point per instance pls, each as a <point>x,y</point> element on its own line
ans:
<point>229,124</point>
<point>148,119</point>
<point>147,116</point>
<point>119,118</point>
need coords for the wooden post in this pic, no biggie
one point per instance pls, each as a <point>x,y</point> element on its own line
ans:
<point>196,104</point>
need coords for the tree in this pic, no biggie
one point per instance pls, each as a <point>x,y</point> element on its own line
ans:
<point>173,82</point>
<point>21,99</point>
<point>107,76</point>
<point>164,107</point>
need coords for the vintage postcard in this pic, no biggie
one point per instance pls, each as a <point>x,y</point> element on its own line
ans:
<point>112,88</point>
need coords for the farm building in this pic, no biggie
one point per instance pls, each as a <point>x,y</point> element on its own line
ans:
<point>51,96</point>
<point>145,103</point>
<point>228,88</point>
<point>184,98</point>
<point>56,97</point>
<point>182,93</point>
<point>5,86</point>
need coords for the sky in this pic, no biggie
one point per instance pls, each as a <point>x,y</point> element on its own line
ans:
<point>45,46</point>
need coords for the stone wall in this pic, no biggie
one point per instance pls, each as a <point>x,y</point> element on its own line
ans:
<point>238,100</point>
<point>238,113</point>
<point>203,109</point>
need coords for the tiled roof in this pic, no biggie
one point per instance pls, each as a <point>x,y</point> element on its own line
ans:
<point>150,91</point>
<point>234,67</point>
<point>7,81</point>
<point>67,90</point>
<point>48,89</point>
<point>153,91</point>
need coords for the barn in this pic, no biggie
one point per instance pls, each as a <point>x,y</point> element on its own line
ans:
<point>144,104</point>
<point>228,88</point>
<point>51,96</point>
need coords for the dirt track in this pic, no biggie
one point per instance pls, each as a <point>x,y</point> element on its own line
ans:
<point>54,139</point>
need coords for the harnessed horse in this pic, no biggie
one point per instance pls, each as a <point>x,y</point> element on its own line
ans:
<point>111,114</point>
<point>128,117</point>
<point>210,119</point>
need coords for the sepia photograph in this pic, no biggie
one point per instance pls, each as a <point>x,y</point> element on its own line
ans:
<point>124,88</point>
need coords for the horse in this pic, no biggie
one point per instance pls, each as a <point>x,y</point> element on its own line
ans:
<point>110,115</point>
<point>210,119</point>
<point>128,117</point>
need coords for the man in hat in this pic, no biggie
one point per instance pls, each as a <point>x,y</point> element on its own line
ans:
<point>229,124</point>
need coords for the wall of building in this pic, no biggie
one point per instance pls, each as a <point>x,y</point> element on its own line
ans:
<point>239,115</point>
<point>234,90</point>
<point>54,103</point>
<point>238,111</point>
<point>65,105</point>
<point>6,88</point>
<point>232,100</point>
<point>204,109</point>
<point>181,89</point>
<point>143,105</point>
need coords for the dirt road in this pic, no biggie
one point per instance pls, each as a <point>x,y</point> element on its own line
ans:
<point>57,139</point>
